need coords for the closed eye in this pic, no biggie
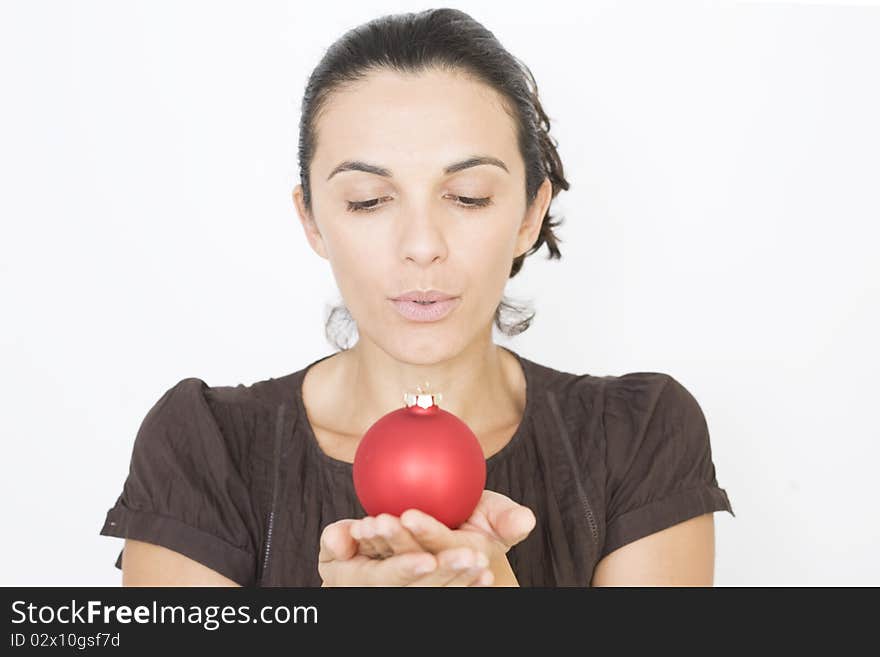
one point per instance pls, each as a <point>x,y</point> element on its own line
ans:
<point>462,201</point>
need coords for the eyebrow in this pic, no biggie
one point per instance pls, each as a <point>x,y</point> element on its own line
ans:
<point>357,165</point>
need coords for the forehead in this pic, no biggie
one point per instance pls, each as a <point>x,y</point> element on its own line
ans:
<point>423,120</point>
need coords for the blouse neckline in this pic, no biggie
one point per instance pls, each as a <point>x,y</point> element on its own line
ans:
<point>347,466</point>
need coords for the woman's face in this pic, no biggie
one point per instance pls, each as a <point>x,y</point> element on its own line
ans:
<point>422,227</point>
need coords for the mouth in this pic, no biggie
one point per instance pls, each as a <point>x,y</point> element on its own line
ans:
<point>425,311</point>
<point>424,296</point>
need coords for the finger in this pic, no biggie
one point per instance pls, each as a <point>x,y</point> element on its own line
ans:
<point>366,533</point>
<point>487,578</point>
<point>459,567</point>
<point>336,542</point>
<point>397,570</point>
<point>469,577</point>
<point>431,534</point>
<point>360,570</point>
<point>451,565</point>
<point>398,538</point>
<point>434,536</point>
<point>384,527</point>
<point>357,533</point>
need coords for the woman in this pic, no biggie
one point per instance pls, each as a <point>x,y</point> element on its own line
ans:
<point>427,173</point>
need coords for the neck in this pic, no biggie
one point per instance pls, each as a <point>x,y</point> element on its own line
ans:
<point>479,385</point>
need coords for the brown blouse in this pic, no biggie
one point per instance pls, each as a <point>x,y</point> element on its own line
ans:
<point>234,477</point>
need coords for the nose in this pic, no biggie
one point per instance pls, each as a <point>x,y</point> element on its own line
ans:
<point>421,238</point>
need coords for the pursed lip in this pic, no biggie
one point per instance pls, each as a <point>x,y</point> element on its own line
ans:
<point>424,295</point>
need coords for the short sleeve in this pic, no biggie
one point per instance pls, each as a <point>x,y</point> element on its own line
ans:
<point>184,490</point>
<point>658,458</point>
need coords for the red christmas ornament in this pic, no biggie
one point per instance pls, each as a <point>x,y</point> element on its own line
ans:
<point>420,457</point>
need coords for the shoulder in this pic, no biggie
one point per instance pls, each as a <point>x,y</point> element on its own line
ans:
<point>193,397</point>
<point>176,404</point>
<point>193,411</point>
<point>637,402</point>
<point>263,393</point>
<point>565,387</point>
<point>659,469</point>
<point>656,435</point>
<point>633,396</point>
<point>179,418</point>
<point>194,392</point>
<point>623,414</point>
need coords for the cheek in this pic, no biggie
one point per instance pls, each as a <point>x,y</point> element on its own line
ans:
<point>347,243</point>
<point>361,280</point>
<point>485,260</point>
<point>489,247</point>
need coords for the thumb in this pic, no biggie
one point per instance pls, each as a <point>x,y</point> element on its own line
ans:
<point>515,524</point>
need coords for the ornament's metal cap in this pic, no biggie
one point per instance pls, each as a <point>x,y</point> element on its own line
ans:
<point>422,398</point>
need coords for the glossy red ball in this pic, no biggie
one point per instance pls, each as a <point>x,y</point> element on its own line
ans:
<point>422,458</point>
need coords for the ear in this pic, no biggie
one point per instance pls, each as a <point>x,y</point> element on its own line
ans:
<point>531,224</point>
<point>310,226</point>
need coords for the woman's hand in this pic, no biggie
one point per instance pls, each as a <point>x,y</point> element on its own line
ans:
<point>497,524</point>
<point>340,564</point>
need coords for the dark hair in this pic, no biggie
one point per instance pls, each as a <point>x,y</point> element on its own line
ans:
<point>445,39</point>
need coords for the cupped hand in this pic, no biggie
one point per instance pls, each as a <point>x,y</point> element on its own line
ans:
<point>497,524</point>
<point>341,564</point>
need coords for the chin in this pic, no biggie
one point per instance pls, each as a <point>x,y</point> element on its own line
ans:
<point>420,349</point>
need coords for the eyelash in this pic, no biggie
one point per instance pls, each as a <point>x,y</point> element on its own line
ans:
<point>473,204</point>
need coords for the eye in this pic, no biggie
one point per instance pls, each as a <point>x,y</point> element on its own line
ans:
<point>468,202</point>
<point>462,201</point>
<point>363,206</point>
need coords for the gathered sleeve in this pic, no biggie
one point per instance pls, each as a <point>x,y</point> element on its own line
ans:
<point>184,489</point>
<point>658,458</point>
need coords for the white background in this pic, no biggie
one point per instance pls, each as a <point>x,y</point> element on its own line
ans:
<point>721,226</point>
